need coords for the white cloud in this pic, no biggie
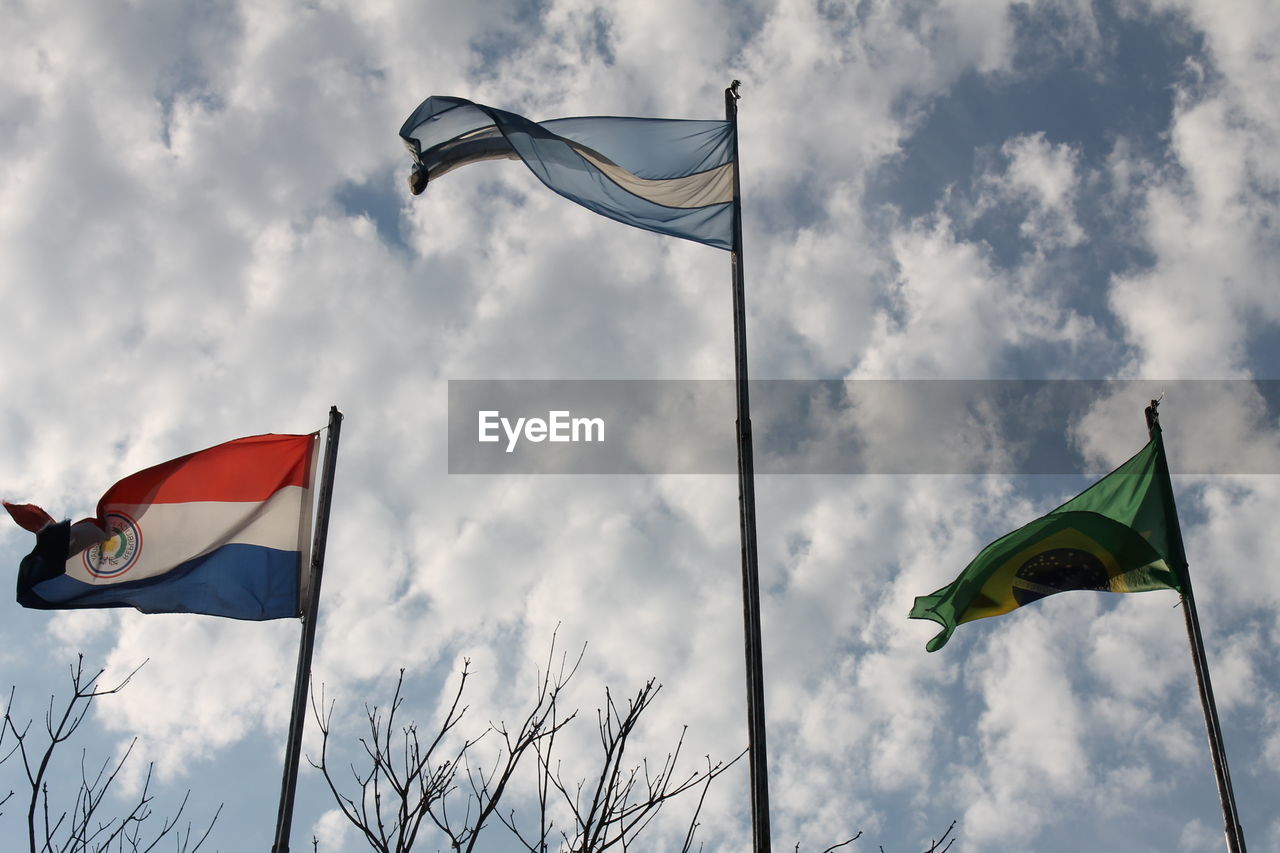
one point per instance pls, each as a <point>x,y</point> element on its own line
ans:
<point>1043,177</point>
<point>199,690</point>
<point>1032,733</point>
<point>1208,218</point>
<point>1197,836</point>
<point>948,289</point>
<point>183,264</point>
<point>333,831</point>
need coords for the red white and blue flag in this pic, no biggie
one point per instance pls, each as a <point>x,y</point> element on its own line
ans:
<point>223,531</point>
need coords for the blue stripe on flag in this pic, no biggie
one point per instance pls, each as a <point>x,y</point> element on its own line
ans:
<point>237,581</point>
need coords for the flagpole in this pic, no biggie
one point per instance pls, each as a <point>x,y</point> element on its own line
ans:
<point>1226,795</point>
<point>293,749</point>
<point>757,751</point>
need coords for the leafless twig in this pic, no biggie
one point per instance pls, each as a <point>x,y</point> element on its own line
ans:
<point>82,828</point>
<point>397,785</point>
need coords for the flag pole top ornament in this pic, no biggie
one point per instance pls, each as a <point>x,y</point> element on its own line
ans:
<point>1153,415</point>
<point>417,178</point>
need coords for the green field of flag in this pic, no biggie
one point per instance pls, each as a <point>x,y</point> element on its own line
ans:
<point>1119,535</point>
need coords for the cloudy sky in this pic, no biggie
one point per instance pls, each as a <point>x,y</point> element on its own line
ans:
<point>205,234</point>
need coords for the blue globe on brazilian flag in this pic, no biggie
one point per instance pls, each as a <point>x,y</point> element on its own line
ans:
<point>1119,535</point>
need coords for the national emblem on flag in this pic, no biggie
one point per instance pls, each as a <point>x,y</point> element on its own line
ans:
<point>223,531</point>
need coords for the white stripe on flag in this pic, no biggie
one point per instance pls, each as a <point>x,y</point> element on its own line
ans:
<point>172,534</point>
<point>714,186</point>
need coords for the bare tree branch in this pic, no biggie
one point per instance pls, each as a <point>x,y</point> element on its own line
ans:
<point>488,787</point>
<point>934,848</point>
<point>82,828</point>
<point>399,783</point>
<point>5,727</point>
<point>841,844</point>
<point>624,798</point>
<point>934,845</point>
<point>402,780</point>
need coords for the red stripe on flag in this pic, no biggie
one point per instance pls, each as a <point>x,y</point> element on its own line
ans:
<point>246,469</point>
<point>29,516</point>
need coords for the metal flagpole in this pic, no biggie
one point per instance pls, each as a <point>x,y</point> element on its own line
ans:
<point>293,750</point>
<point>1226,796</point>
<point>758,753</point>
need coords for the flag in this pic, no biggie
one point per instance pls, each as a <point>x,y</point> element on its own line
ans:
<point>672,176</point>
<point>223,531</point>
<point>1119,535</point>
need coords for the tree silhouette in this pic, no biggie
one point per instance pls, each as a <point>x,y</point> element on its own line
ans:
<point>85,826</point>
<point>407,778</point>
<point>408,784</point>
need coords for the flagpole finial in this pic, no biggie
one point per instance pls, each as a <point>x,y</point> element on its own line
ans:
<point>417,179</point>
<point>1153,416</point>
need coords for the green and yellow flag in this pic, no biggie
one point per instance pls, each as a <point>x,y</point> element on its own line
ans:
<point>1120,535</point>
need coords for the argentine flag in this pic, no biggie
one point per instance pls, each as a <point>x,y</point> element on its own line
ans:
<point>672,176</point>
<point>223,531</point>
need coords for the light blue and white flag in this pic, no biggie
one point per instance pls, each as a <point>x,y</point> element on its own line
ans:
<point>672,176</point>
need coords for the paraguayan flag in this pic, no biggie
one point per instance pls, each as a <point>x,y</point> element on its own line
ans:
<point>223,531</point>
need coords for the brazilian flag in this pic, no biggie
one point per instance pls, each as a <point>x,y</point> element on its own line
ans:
<point>1119,535</point>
